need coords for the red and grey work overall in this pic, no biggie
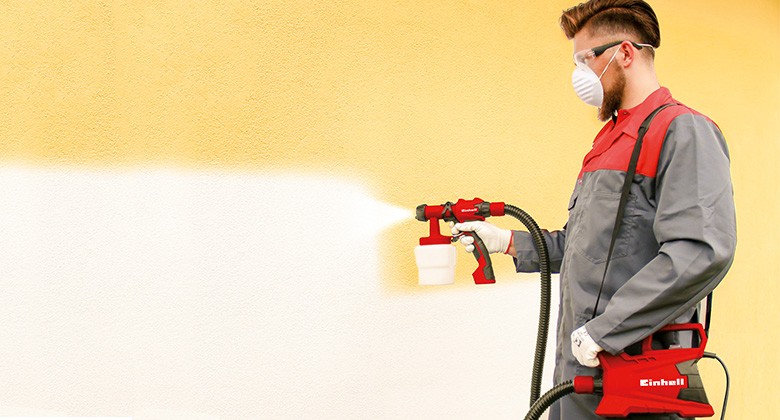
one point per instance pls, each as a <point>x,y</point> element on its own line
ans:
<point>676,242</point>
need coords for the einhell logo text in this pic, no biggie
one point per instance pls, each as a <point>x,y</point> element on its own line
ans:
<point>662,382</point>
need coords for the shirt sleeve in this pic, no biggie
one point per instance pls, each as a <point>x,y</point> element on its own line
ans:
<point>695,226</point>
<point>527,260</point>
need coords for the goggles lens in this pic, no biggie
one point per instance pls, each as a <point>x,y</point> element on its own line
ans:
<point>584,57</point>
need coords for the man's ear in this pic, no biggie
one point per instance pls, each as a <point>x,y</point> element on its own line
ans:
<point>629,54</point>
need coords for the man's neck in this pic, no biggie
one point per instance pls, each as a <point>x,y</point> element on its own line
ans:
<point>638,90</point>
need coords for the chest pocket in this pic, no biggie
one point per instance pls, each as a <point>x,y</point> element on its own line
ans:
<point>573,199</point>
<point>593,217</point>
<point>571,223</point>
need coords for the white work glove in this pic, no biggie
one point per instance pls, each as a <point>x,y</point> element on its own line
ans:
<point>584,348</point>
<point>495,239</point>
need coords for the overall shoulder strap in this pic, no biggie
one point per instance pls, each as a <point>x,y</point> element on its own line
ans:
<point>624,194</point>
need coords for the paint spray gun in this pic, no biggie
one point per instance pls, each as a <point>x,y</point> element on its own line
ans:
<point>436,258</point>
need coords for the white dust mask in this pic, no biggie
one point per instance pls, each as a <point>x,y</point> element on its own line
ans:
<point>587,85</point>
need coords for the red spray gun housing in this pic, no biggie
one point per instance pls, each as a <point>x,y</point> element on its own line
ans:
<point>459,212</point>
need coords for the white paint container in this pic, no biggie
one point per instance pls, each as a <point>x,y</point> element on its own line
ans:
<point>435,264</point>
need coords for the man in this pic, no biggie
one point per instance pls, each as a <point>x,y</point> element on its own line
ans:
<point>678,233</point>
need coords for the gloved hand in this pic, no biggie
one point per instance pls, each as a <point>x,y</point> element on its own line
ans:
<point>584,348</point>
<point>495,239</point>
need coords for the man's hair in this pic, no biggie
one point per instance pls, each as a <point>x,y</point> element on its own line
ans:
<point>634,17</point>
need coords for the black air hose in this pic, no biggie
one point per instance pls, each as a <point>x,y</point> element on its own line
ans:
<point>558,392</point>
<point>544,307</point>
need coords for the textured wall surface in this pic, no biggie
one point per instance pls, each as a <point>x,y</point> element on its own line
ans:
<point>180,183</point>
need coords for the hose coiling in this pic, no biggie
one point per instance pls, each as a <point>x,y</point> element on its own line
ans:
<point>558,391</point>
<point>544,307</point>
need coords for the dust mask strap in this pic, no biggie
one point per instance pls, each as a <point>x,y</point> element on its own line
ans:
<point>608,63</point>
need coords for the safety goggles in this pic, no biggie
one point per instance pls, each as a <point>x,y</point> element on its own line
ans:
<point>585,56</point>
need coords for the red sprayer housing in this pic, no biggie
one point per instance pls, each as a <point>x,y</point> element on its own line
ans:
<point>656,381</point>
<point>461,211</point>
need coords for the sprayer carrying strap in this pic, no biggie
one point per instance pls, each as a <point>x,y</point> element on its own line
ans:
<point>624,195</point>
<point>622,208</point>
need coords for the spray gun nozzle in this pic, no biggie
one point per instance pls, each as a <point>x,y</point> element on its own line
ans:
<point>420,213</point>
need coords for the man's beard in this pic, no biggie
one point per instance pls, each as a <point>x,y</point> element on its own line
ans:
<point>613,97</point>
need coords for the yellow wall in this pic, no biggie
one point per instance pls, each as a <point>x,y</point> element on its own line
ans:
<point>425,101</point>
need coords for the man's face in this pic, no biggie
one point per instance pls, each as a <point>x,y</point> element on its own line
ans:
<point>614,79</point>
